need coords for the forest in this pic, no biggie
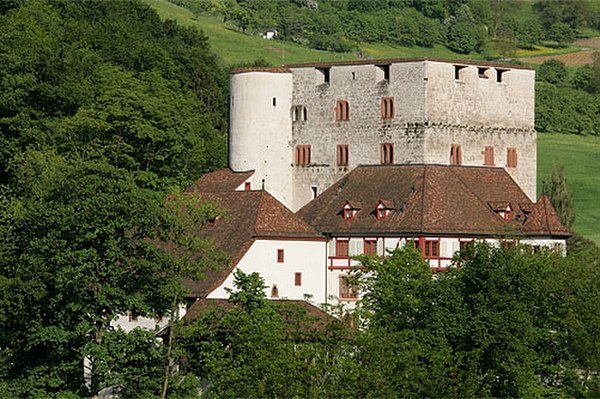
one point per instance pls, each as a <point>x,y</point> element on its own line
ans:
<point>106,111</point>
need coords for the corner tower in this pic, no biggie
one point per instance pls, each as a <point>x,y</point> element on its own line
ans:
<point>260,128</point>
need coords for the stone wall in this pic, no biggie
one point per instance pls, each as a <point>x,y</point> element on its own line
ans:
<point>436,104</point>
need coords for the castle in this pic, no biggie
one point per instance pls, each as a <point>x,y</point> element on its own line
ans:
<point>332,160</point>
<point>302,127</point>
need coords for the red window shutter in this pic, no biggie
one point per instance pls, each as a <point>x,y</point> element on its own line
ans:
<point>247,186</point>
<point>297,279</point>
<point>280,256</point>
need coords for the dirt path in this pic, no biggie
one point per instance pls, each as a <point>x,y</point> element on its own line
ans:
<point>583,57</point>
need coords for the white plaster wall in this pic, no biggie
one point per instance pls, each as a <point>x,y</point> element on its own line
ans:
<point>306,257</point>
<point>260,133</point>
<point>147,323</point>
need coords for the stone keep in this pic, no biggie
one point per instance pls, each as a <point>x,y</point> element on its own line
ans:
<point>428,111</point>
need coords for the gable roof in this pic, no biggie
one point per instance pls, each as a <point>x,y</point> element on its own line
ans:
<point>246,216</point>
<point>543,219</point>
<point>430,199</point>
<point>220,180</point>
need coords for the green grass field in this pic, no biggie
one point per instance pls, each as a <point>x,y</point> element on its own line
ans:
<point>580,156</point>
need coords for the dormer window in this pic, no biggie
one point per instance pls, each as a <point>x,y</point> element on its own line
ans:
<point>502,209</point>
<point>383,209</point>
<point>350,210</point>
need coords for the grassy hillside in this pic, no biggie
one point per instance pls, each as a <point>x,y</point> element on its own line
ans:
<point>580,156</point>
<point>235,47</point>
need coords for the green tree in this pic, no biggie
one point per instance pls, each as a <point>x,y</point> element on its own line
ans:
<point>561,33</point>
<point>553,71</point>
<point>561,196</point>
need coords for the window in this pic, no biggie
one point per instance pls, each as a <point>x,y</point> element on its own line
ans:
<point>280,256</point>
<point>323,75</point>
<point>458,71</point>
<point>247,186</point>
<point>387,107</point>
<point>274,101</point>
<point>274,291</point>
<point>348,290</point>
<point>342,155</point>
<point>370,247</point>
<point>511,157</point>
<point>387,153</point>
<point>455,154</point>
<point>314,191</point>
<point>341,247</point>
<point>297,279</point>
<point>488,156</point>
<point>499,73</point>
<point>481,72</point>
<point>383,72</point>
<point>432,249</point>
<point>348,212</point>
<point>342,111</point>
<point>299,113</point>
<point>303,155</point>
<point>381,211</point>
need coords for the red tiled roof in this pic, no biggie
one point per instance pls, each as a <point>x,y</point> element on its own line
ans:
<point>430,199</point>
<point>247,215</point>
<point>220,180</point>
<point>543,219</point>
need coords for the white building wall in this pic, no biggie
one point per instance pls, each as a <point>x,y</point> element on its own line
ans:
<point>306,257</point>
<point>260,130</point>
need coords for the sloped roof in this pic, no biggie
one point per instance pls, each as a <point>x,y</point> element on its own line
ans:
<point>220,180</point>
<point>543,219</point>
<point>247,216</point>
<point>431,199</point>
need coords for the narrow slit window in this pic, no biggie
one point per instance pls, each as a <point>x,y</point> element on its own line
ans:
<point>342,155</point>
<point>274,101</point>
<point>455,154</point>
<point>387,107</point>
<point>387,153</point>
<point>314,191</point>
<point>342,111</point>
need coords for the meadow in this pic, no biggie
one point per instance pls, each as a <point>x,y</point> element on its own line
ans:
<point>580,155</point>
